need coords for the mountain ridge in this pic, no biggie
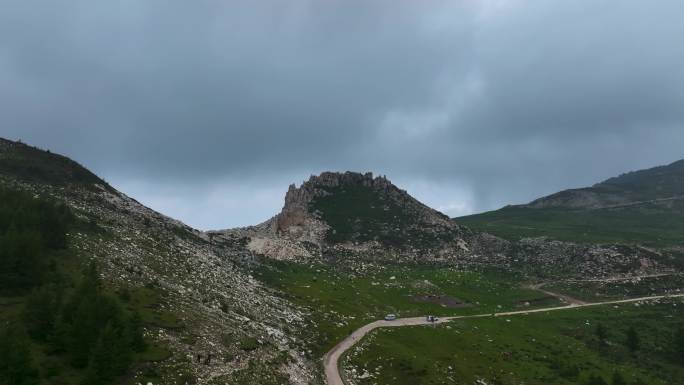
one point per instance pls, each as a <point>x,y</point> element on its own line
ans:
<point>644,207</point>
<point>33,164</point>
<point>647,185</point>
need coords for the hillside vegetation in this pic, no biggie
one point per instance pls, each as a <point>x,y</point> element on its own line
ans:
<point>357,213</point>
<point>27,163</point>
<point>78,306</point>
<point>649,224</point>
<point>59,325</point>
<point>645,207</point>
<point>598,346</point>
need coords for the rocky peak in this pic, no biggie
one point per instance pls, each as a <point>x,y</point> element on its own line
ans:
<point>336,179</point>
<point>317,186</point>
<point>356,208</point>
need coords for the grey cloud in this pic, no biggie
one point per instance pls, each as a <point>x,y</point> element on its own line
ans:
<point>491,102</point>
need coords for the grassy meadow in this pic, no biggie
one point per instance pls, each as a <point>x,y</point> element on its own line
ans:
<point>651,225</point>
<point>560,347</point>
<point>340,301</point>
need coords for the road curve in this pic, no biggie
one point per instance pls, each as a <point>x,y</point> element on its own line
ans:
<point>561,297</point>
<point>331,359</point>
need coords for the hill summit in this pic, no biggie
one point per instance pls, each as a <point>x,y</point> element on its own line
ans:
<point>662,183</point>
<point>31,164</point>
<point>355,208</point>
<point>644,207</point>
<point>353,214</point>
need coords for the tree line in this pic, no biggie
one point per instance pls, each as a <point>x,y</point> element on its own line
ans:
<point>69,316</point>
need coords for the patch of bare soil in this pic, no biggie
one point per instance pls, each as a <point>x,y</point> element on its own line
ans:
<point>443,300</point>
<point>537,300</point>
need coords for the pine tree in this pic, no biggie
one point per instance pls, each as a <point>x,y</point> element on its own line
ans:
<point>134,331</point>
<point>16,362</point>
<point>111,355</point>
<point>618,379</point>
<point>632,340</point>
<point>679,344</point>
<point>41,310</point>
<point>601,334</point>
<point>101,360</point>
<point>21,259</point>
<point>82,330</point>
<point>595,379</point>
<point>83,318</point>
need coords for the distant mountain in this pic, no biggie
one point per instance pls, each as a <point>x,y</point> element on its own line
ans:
<point>662,183</point>
<point>645,207</point>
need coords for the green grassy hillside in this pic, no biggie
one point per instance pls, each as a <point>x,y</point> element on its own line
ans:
<point>649,224</point>
<point>653,183</point>
<point>562,348</point>
<point>27,163</point>
<point>341,300</point>
<point>59,324</point>
<point>638,207</point>
<point>358,213</point>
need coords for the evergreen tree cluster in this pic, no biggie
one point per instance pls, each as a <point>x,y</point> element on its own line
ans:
<point>30,229</point>
<point>87,326</point>
<point>16,363</point>
<point>679,344</point>
<point>70,316</point>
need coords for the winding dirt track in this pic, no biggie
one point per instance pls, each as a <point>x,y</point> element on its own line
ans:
<point>331,359</point>
<point>561,297</point>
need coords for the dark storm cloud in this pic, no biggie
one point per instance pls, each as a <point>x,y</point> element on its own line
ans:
<point>206,110</point>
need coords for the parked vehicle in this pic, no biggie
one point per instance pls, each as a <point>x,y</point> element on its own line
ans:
<point>390,317</point>
<point>431,318</point>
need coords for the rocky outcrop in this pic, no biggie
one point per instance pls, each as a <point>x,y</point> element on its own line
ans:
<point>340,213</point>
<point>354,208</point>
<point>297,219</point>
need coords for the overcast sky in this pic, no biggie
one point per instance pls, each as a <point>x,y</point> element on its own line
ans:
<point>206,110</point>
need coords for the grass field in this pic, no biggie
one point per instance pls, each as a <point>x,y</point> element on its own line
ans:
<point>650,225</point>
<point>341,301</point>
<point>545,348</point>
<point>601,291</point>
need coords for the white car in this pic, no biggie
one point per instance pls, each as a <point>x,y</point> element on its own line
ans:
<point>390,317</point>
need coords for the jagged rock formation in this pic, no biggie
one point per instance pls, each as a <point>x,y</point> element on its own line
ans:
<point>357,213</point>
<point>357,208</point>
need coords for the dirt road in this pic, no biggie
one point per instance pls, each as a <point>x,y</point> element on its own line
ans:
<point>331,359</point>
<point>562,297</point>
